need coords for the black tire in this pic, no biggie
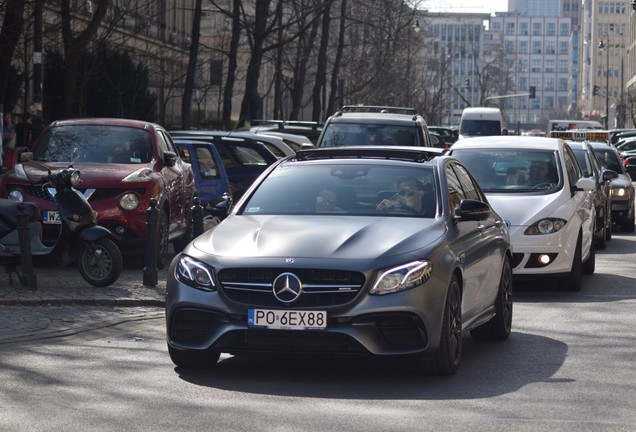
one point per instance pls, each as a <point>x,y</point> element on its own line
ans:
<point>100,262</point>
<point>628,225</point>
<point>600,240</point>
<point>608,231</point>
<point>499,326</point>
<point>162,240</point>
<point>193,359</point>
<point>590,263</point>
<point>573,281</point>
<point>446,358</point>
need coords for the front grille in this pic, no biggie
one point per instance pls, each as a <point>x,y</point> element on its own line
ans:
<point>289,341</point>
<point>321,288</point>
<point>98,194</point>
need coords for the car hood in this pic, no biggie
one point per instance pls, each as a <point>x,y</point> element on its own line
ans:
<point>623,180</point>
<point>521,210</point>
<point>91,173</point>
<point>337,237</point>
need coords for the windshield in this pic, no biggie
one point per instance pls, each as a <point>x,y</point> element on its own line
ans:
<point>95,144</point>
<point>353,134</point>
<point>347,189</point>
<point>480,127</point>
<point>512,170</point>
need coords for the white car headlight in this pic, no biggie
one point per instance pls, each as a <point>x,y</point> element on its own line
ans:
<point>195,274</point>
<point>545,226</point>
<point>15,195</point>
<point>620,192</point>
<point>129,201</point>
<point>402,277</point>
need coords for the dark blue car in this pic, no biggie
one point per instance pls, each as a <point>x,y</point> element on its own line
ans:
<point>244,158</point>
<point>209,173</point>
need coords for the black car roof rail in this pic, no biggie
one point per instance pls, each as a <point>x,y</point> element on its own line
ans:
<point>414,154</point>
<point>377,109</point>
<point>282,123</point>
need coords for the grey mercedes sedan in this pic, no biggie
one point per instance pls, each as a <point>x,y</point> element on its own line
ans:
<point>376,251</point>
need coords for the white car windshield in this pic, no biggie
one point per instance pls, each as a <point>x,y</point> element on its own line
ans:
<point>512,170</point>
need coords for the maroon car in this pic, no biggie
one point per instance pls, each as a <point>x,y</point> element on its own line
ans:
<point>124,163</point>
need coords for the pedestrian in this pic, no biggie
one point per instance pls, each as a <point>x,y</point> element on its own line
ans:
<point>504,131</point>
<point>23,132</point>
<point>8,142</point>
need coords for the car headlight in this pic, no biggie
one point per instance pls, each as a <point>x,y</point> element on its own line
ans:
<point>195,274</point>
<point>619,192</point>
<point>15,195</point>
<point>545,226</point>
<point>402,277</point>
<point>141,175</point>
<point>129,201</point>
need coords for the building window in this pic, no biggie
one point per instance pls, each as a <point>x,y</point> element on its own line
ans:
<point>536,29</point>
<point>549,66</point>
<point>564,29</point>
<point>550,29</point>
<point>523,47</point>
<point>523,29</point>
<point>550,47</point>
<point>510,28</point>
<point>563,84</point>
<point>536,47</point>
<point>564,47</point>
<point>536,65</point>
<point>563,66</point>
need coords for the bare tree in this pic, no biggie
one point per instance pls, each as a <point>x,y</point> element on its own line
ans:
<point>12,26</point>
<point>186,105</point>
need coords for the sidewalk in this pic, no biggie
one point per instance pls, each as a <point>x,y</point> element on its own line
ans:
<point>64,303</point>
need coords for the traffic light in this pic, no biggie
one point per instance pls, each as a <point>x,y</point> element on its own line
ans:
<point>595,91</point>
<point>533,91</point>
<point>467,82</point>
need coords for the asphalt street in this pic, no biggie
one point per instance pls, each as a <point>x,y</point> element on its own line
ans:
<point>63,303</point>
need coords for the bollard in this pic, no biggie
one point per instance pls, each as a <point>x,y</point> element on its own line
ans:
<point>197,217</point>
<point>151,274</point>
<point>26,274</point>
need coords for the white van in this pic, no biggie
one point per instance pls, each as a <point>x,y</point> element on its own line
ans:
<point>563,125</point>
<point>480,121</point>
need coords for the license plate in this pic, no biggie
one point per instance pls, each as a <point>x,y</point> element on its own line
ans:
<point>51,217</point>
<point>278,319</point>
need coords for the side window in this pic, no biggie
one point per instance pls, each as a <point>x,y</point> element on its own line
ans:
<point>207,167</point>
<point>226,156</point>
<point>469,189</point>
<point>168,140</point>
<point>572,167</point>
<point>247,155</point>
<point>455,192</point>
<point>184,153</point>
<point>163,145</point>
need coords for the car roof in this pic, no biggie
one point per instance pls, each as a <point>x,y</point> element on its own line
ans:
<point>404,153</point>
<point>504,141</point>
<point>105,122</point>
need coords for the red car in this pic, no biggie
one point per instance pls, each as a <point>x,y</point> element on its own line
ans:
<point>124,163</point>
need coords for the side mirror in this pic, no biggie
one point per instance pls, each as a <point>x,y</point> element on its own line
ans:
<point>169,158</point>
<point>472,210</point>
<point>609,175</point>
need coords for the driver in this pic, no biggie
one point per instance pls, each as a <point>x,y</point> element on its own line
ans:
<point>539,171</point>
<point>410,196</point>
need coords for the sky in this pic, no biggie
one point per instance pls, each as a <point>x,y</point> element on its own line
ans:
<point>482,6</point>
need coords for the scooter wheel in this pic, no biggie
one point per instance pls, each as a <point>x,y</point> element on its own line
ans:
<point>100,262</point>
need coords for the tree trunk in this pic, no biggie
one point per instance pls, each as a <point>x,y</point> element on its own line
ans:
<point>12,26</point>
<point>228,91</point>
<point>321,71</point>
<point>186,102</point>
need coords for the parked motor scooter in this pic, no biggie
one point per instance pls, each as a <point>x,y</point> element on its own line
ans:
<point>80,238</point>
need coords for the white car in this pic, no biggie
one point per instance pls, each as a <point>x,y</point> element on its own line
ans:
<point>537,186</point>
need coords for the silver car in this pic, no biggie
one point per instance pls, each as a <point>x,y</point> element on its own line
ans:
<point>382,251</point>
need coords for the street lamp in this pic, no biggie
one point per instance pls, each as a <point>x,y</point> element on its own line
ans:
<point>601,46</point>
